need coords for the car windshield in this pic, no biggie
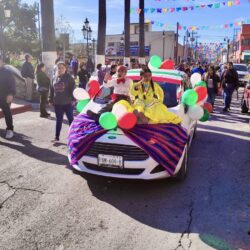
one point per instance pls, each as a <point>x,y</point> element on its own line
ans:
<point>240,67</point>
<point>104,95</point>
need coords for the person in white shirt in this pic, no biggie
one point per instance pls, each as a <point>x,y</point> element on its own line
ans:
<point>121,86</point>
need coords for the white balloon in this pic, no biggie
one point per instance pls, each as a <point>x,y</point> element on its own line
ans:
<point>119,110</point>
<point>195,112</point>
<point>151,67</point>
<point>80,94</point>
<point>195,78</point>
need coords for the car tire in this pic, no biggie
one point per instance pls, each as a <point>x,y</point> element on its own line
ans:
<point>181,175</point>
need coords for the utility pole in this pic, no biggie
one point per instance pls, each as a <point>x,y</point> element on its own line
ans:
<point>184,47</point>
<point>163,45</point>
<point>176,42</point>
<point>49,54</point>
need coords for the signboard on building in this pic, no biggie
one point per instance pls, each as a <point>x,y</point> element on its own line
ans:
<point>134,51</point>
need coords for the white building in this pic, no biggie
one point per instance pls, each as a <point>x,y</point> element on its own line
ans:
<point>156,43</point>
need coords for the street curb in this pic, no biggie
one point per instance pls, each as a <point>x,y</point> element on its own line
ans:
<point>18,110</point>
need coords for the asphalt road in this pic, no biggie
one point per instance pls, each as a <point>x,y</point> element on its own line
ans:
<point>44,205</point>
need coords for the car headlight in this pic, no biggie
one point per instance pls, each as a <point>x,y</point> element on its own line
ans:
<point>247,77</point>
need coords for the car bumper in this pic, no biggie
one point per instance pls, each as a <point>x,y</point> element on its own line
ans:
<point>132,169</point>
<point>243,81</point>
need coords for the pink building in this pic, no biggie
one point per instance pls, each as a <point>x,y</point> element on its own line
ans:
<point>243,44</point>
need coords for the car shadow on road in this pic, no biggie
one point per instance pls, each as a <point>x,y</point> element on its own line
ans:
<point>208,203</point>
<point>28,148</point>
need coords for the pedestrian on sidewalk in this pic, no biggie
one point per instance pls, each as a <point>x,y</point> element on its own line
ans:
<point>100,73</point>
<point>61,96</point>
<point>230,82</point>
<point>83,76</point>
<point>74,66</point>
<point>28,73</point>
<point>7,92</point>
<point>43,88</point>
<point>212,80</point>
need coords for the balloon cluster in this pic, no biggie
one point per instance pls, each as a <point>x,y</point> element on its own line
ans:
<point>195,99</point>
<point>156,63</point>
<point>83,97</point>
<point>121,116</point>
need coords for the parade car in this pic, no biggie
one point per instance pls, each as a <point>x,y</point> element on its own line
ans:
<point>124,157</point>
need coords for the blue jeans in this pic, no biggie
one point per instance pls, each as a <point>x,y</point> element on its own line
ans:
<point>211,95</point>
<point>228,92</point>
<point>60,110</point>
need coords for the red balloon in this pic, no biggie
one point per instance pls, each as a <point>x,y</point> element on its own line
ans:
<point>93,88</point>
<point>127,121</point>
<point>167,64</point>
<point>208,106</point>
<point>202,93</point>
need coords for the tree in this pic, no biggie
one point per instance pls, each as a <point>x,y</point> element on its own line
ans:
<point>142,32</point>
<point>127,31</point>
<point>20,31</point>
<point>101,32</point>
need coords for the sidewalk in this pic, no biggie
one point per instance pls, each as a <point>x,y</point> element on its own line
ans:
<point>20,106</point>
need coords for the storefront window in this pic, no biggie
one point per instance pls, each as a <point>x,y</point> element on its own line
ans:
<point>246,42</point>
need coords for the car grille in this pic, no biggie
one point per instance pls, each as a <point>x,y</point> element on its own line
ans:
<point>128,152</point>
<point>127,171</point>
<point>241,76</point>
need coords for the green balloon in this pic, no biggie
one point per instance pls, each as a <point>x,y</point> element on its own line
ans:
<point>155,61</point>
<point>108,120</point>
<point>81,105</point>
<point>205,117</point>
<point>201,83</point>
<point>190,97</point>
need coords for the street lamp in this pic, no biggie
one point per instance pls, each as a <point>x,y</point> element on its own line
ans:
<point>122,39</point>
<point>226,39</point>
<point>93,45</point>
<point>163,45</point>
<point>87,32</point>
<point>4,14</point>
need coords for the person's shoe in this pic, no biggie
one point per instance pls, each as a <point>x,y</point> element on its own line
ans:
<point>225,110</point>
<point>44,116</point>
<point>56,140</point>
<point>9,134</point>
<point>48,114</point>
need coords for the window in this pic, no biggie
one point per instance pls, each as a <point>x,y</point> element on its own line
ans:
<point>246,42</point>
<point>134,43</point>
<point>111,44</point>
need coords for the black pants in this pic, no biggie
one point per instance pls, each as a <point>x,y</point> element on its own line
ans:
<point>43,102</point>
<point>7,114</point>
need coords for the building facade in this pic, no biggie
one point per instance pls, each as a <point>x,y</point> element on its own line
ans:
<point>156,43</point>
<point>243,44</point>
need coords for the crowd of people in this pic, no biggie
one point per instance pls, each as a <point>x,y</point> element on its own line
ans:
<point>58,91</point>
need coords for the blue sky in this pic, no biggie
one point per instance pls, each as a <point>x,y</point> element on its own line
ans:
<point>75,11</point>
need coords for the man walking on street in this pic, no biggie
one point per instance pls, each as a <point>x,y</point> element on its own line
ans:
<point>27,72</point>
<point>230,82</point>
<point>7,91</point>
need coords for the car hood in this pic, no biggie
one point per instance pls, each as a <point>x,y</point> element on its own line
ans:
<point>245,73</point>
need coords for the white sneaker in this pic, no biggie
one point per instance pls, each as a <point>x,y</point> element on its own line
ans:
<point>9,134</point>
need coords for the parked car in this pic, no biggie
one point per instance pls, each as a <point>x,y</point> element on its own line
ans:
<point>137,164</point>
<point>242,73</point>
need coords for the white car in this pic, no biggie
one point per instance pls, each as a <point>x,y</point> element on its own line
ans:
<point>116,148</point>
<point>242,73</point>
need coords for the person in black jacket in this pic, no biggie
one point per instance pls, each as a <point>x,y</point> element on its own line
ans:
<point>27,72</point>
<point>212,80</point>
<point>61,96</point>
<point>43,88</point>
<point>7,92</point>
<point>230,82</point>
<point>83,76</point>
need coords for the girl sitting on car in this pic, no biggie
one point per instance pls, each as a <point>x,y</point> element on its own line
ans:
<point>148,104</point>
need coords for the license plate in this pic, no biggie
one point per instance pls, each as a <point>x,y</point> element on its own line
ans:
<point>111,161</point>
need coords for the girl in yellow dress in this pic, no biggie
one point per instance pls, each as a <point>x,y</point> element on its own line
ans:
<point>148,98</point>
